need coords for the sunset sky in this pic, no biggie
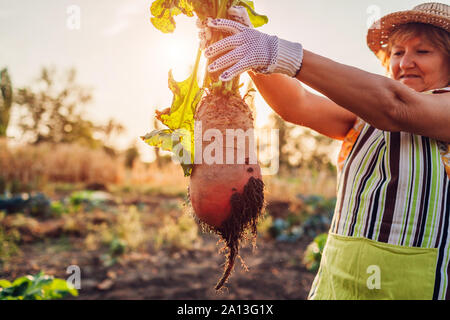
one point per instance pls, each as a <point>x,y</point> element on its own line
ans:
<point>125,60</point>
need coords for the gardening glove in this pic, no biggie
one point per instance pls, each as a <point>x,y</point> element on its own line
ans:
<point>236,13</point>
<point>204,34</point>
<point>249,49</point>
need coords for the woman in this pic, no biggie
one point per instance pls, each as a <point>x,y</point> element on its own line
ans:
<point>390,235</point>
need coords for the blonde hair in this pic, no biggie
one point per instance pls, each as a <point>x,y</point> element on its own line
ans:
<point>438,37</point>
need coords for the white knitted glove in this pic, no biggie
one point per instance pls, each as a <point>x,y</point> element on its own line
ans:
<point>204,34</point>
<point>236,13</point>
<point>251,50</point>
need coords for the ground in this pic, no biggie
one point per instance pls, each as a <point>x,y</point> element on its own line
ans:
<point>275,268</point>
<point>275,272</point>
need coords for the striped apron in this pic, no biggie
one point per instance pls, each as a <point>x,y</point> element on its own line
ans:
<point>390,234</point>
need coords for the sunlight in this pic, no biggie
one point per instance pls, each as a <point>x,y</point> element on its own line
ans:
<point>179,55</point>
<point>176,55</point>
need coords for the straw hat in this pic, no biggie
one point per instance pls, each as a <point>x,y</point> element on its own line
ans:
<point>436,14</point>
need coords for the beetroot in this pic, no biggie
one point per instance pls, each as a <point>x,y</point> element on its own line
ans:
<point>227,198</point>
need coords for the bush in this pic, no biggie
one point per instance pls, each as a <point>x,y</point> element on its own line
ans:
<point>37,205</point>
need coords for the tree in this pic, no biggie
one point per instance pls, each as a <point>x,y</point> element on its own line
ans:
<point>6,99</point>
<point>301,147</point>
<point>284,132</point>
<point>53,110</point>
<point>131,154</point>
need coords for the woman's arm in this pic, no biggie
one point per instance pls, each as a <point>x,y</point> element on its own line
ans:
<point>384,103</point>
<point>287,97</point>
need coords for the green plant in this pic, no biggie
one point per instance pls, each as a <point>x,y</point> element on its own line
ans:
<point>86,200</point>
<point>129,228</point>
<point>265,225</point>
<point>8,243</point>
<point>57,208</point>
<point>176,234</point>
<point>117,247</point>
<point>6,98</point>
<point>124,235</point>
<point>79,197</point>
<point>36,287</point>
<point>313,253</point>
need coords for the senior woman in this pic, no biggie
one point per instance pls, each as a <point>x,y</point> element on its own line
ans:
<point>390,234</point>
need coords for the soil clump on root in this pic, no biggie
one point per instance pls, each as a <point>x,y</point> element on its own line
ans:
<point>246,210</point>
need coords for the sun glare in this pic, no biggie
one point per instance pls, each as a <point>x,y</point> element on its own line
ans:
<point>178,53</point>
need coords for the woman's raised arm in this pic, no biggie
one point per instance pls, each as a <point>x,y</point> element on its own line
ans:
<point>289,99</point>
<point>384,103</point>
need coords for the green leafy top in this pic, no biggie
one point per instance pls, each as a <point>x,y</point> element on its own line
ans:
<point>164,11</point>
<point>256,19</point>
<point>179,118</point>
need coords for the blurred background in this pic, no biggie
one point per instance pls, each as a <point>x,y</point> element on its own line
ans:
<point>80,83</point>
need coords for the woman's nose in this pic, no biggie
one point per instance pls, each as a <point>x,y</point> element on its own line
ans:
<point>407,61</point>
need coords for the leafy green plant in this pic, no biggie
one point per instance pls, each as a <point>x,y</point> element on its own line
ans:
<point>313,253</point>
<point>125,235</point>
<point>117,247</point>
<point>57,208</point>
<point>85,200</point>
<point>8,243</point>
<point>36,287</point>
<point>77,198</point>
<point>176,234</point>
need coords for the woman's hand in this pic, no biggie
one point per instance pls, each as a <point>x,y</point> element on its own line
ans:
<point>248,49</point>
<point>235,13</point>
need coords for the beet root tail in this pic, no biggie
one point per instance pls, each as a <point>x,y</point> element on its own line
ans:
<point>231,258</point>
<point>246,210</point>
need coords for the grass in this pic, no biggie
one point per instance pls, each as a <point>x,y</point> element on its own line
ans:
<point>9,245</point>
<point>304,182</point>
<point>33,166</point>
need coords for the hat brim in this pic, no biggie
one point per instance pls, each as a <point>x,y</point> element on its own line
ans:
<point>380,31</point>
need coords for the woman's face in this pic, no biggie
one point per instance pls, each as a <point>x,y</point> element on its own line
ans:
<point>419,65</point>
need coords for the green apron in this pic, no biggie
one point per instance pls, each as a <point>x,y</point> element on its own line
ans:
<point>359,268</point>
